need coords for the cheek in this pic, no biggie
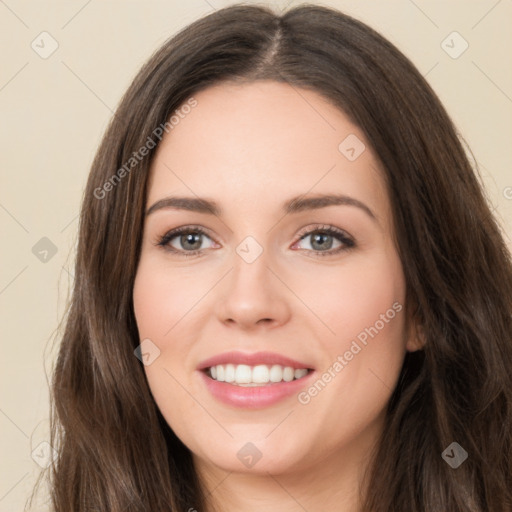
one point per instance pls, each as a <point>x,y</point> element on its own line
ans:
<point>161,298</point>
<point>365,314</point>
<point>352,299</point>
<point>161,312</point>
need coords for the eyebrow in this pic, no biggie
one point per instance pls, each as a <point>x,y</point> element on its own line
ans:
<point>293,205</point>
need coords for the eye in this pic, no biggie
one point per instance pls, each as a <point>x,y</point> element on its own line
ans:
<point>323,237</point>
<point>189,237</point>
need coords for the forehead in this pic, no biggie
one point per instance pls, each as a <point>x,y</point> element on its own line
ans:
<point>263,142</point>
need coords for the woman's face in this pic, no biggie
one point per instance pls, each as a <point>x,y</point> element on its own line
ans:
<point>271,293</point>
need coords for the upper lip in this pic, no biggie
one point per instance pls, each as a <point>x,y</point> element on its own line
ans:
<point>251,359</point>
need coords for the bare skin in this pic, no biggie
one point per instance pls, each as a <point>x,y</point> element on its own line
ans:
<point>251,148</point>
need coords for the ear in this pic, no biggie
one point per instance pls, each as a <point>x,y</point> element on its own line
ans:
<point>415,333</point>
<point>416,341</point>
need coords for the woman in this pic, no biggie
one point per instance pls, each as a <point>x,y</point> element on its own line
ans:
<point>338,336</point>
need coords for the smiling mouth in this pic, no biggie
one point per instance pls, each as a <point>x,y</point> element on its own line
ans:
<point>257,375</point>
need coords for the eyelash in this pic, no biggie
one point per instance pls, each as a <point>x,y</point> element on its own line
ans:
<point>348,243</point>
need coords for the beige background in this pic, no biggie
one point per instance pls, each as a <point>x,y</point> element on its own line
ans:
<point>53,112</point>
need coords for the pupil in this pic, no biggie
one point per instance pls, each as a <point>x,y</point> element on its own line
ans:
<point>322,238</point>
<point>189,238</point>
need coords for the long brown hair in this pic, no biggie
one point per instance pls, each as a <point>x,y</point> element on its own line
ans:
<point>115,450</point>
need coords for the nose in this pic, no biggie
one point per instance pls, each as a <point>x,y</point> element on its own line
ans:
<point>253,294</point>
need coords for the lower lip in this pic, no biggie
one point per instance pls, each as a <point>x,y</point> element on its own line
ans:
<point>254,397</point>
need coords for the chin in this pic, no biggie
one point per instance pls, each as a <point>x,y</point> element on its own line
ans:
<point>258,457</point>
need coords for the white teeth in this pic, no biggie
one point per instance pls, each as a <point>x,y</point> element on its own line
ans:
<point>276,373</point>
<point>260,374</point>
<point>245,375</point>
<point>288,374</point>
<point>300,373</point>
<point>229,373</point>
